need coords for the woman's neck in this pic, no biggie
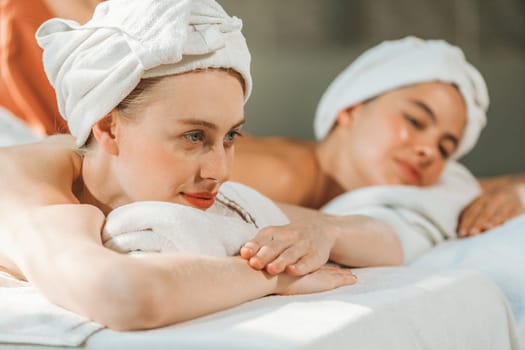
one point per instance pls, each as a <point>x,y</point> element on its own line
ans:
<point>97,186</point>
<point>327,153</point>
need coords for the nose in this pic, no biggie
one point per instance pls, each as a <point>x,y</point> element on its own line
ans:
<point>216,165</point>
<point>426,153</point>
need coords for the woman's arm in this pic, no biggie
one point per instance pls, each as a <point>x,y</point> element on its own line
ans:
<point>67,262</point>
<point>313,238</point>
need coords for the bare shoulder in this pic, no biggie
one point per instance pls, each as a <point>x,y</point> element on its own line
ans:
<point>40,173</point>
<point>282,168</point>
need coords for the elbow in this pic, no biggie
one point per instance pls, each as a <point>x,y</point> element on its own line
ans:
<point>131,299</point>
<point>395,258</point>
<point>394,255</point>
<point>137,312</point>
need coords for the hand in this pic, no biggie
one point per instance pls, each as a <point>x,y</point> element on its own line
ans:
<point>297,248</point>
<point>327,277</point>
<point>492,208</point>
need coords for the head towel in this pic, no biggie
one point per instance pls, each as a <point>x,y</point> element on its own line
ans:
<point>394,64</point>
<point>93,67</point>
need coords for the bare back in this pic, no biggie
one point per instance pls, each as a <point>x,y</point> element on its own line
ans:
<point>283,169</point>
<point>35,175</point>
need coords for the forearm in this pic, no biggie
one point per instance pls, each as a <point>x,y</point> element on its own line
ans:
<point>364,241</point>
<point>74,270</point>
<point>182,287</point>
<point>488,183</point>
<point>358,240</point>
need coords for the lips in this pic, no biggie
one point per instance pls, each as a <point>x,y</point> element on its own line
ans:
<point>201,200</point>
<point>410,173</point>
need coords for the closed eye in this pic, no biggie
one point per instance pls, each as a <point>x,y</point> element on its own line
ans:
<point>413,121</point>
<point>444,152</point>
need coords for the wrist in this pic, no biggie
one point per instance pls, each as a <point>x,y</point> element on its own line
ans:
<point>270,284</point>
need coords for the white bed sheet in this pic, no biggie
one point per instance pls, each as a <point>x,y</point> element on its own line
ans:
<point>394,308</point>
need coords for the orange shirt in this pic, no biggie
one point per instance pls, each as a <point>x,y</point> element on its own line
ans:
<point>24,88</point>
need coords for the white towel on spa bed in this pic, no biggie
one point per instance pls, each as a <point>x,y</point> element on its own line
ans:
<point>27,317</point>
<point>421,217</point>
<point>400,308</point>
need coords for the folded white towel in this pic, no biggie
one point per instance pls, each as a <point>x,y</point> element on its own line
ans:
<point>237,215</point>
<point>421,216</point>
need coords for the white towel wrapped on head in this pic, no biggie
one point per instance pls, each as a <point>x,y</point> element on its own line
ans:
<point>94,66</point>
<point>398,63</point>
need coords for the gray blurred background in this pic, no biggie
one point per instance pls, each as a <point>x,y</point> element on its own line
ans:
<point>299,46</point>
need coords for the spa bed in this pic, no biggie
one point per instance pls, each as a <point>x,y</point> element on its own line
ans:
<point>467,294</point>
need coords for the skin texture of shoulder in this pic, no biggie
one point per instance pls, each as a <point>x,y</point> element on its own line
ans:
<point>34,176</point>
<point>41,173</point>
<point>282,168</point>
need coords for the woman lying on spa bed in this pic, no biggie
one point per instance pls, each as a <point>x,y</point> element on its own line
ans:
<point>156,110</point>
<point>423,89</point>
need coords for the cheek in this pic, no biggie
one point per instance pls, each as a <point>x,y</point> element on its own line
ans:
<point>155,168</point>
<point>433,173</point>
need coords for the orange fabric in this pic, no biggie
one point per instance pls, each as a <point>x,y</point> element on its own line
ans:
<point>24,88</point>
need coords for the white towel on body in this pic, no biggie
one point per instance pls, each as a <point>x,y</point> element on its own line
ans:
<point>237,215</point>
<point>420,216</point>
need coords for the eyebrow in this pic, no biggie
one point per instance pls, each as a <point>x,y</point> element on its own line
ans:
<point>206,124</point>
<point>422,105</point>
<point>430,113</point>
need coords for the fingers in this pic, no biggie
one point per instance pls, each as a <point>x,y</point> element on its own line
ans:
<point>469,217</point>
<point>306,264</point>
<point>286,259</point>
<point>334,277</point>
<point>488,217</point>
<point>323,279</point>
<point>249,249</point>
<point>268,247</point>
<point>295,249</point>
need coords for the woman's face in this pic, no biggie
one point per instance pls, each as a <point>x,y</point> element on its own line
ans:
<point>179,146</point>
<point>402,137</point>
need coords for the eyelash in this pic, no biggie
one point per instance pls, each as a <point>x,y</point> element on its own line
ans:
<point>190,136</point>
<point>444,153</point>
<point>232,135</point>
<point>413,121</point>
<point>418,125</point>
<point>195,137</point>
